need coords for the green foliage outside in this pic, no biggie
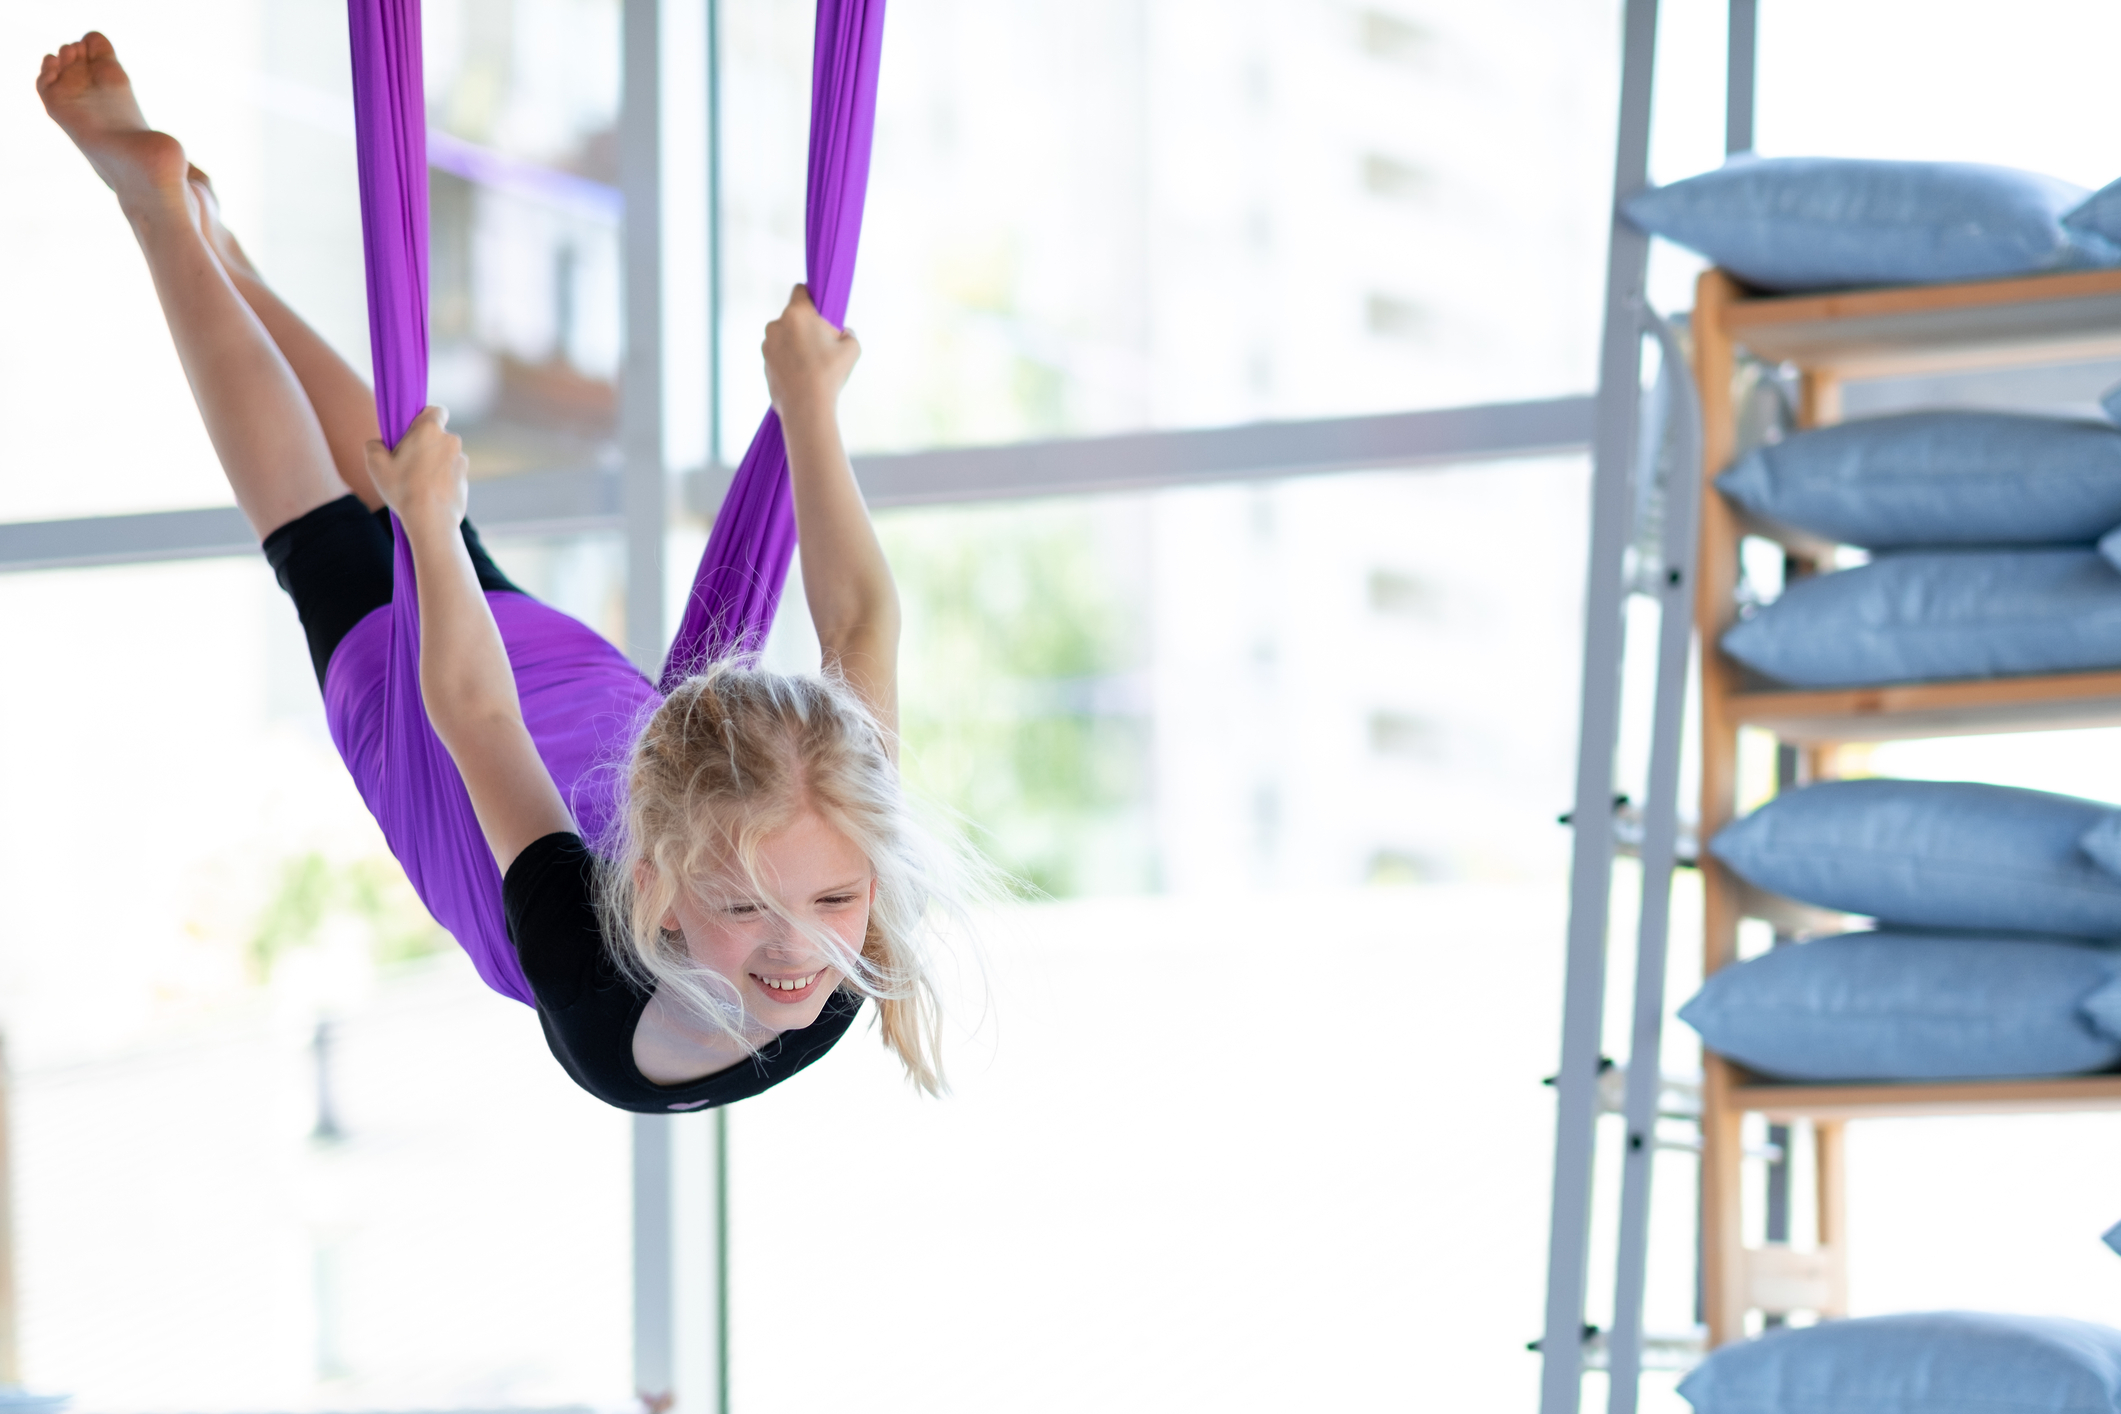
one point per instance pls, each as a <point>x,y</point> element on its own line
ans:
<point>1023,635</point>
<point>313,891</point>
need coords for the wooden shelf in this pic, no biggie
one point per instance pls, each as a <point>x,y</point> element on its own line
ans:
<point>1917,1099</point>
<point>1908,710</point>
<point>1930,328</point>
<point>1831,339</point>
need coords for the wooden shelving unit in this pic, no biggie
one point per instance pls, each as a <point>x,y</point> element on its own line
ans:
<point>1832,338</point>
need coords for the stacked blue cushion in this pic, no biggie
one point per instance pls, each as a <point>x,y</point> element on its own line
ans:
<point>1982,484</point>
<point>1990,561</point>
<point>1937,854</point>
<point>1993,958</point>
<point>1938,479</point>
<point>1810,223</point>
<point>1934,1362</point>
<point>1891,1005</point>
<point>1937,615</point>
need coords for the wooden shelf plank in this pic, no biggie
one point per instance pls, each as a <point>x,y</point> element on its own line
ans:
<point>1926,328</point>
<point>1898,1100</point>
<point>1908,710</point>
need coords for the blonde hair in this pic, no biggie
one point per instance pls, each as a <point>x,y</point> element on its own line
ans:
<point>732,755</point>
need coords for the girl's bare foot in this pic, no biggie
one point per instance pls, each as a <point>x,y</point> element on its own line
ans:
<point>87,94</point>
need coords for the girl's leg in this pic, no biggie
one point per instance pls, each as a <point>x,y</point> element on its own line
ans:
<point>267,435</point>
<point>345,406</point>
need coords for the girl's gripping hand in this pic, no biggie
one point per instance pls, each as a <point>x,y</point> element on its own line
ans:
<point>426,476</point>
<point>807,360</point>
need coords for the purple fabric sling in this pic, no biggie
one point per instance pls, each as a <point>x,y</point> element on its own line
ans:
<point>582,700</point>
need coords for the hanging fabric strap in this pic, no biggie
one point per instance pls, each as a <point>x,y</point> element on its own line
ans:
<point>582,700</point>
<point>739,583</point>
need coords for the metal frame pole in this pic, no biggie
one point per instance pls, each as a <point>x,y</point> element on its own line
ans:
<point>643,477</point>
<point>714,463</point>
<point>714,234</point>
<point>1591,873</point>
<point>1674,588</point>
<point>1742,68</point>
<point>642,494</point>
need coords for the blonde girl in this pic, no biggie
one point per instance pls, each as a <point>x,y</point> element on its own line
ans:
<point>762,879</point>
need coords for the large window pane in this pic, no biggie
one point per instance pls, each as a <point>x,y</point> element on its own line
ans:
<point>211,1213</point>
<point>1268,1137</point>
<point>523,102</point>
<point>1130,214</point>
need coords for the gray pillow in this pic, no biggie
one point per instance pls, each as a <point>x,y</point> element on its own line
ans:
<point>1929,1362</point>
<point>1911,1006</point>
<point>1918,616</point>
<point>1810,223</point>
<point>1937,854</point>
<point>1939,478</point>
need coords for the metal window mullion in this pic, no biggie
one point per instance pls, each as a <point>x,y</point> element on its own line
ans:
<point>1591,868</point>
<point>1740,72</point>
<point>1660,841</point>
<point>655,1201</point>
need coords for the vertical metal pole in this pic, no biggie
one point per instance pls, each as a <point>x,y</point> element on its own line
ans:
<point>10,1356</point>
<point>714,462</point>
<point>714,234</point>
<point>1591,871</point>
<point>721,1257</point>
<point>642,491</point>
<point>641,386</point>
<point>1738,101</point>
<point>654,1297</point>
<point>1681,464</point>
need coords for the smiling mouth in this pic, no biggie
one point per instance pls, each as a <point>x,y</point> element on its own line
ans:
<point>787,989</point>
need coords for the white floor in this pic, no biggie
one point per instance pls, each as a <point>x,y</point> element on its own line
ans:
<point>1162,1184</point>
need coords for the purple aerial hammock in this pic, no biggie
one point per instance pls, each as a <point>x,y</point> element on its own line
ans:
<point>582,700</point>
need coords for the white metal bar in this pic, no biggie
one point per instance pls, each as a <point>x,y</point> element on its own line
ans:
<point>654,1327</point>
<point>566,502</point>
<point>1591,869</point>
<point>719,1175</point>
<point>1741,69</point>
<point>655,1200</point>
<point>641,383</point>
<point>1680,462</point>
<point>1258,450</point>
<point>535,503</point>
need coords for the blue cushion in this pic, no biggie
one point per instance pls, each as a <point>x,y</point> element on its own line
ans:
<point>1916,616</point>
<point>2098,214</point>
<point>1939,478</point>
<point>1937,854</point>
<point>1910,1006</point>
<point>1810,223</point>
<point>1932,1362</point>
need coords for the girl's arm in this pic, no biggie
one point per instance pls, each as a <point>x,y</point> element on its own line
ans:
<point>465,680</point>
<point>852,598</point>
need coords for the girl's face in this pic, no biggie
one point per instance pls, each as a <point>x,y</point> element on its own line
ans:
<point>819,876</point>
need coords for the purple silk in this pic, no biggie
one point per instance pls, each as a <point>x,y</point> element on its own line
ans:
<point>739,583</point>
<point>583,701</point>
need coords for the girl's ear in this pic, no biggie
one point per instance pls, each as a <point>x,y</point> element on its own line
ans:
<point>872,890</point>
<point>644,879</point>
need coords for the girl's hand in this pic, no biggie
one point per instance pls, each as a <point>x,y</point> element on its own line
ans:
<point>428,473</point>
<point>807,360</point>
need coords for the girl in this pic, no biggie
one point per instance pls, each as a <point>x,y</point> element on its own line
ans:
<point>760,877</point>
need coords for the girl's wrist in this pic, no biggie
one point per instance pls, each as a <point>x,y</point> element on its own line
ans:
<point>428,514</point>
<point>809,403</point>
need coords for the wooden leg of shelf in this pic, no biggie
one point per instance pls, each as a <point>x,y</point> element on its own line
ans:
<point>1725,1280</point>
<point>1819,399</point>
<point>1830,1149</point>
